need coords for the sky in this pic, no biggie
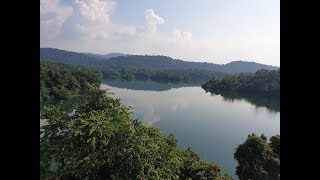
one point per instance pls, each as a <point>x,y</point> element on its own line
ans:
<point>217,31</point>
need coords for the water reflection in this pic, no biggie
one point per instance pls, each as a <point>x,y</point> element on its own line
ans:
<point>148,105</point>
<point>211,125</point>
<point>146,111</point>
<point>145,85</point>
<point>271,103</point>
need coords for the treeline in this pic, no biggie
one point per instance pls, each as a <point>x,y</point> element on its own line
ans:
<point>263,82</point>
<point>153,63</point>
<point>61,82</point>
<point>192,76</point>
<point>146,67</point>
<point>145,85</point>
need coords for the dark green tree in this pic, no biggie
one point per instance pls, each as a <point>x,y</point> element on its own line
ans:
<point>60,83</point>
<point>263,82</point>
<point>256,159</point>
<point>275,144</point>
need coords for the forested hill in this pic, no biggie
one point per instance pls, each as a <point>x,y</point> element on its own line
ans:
<point>262,82</point>
<point>119,61</point>
<point>67,57</point>
<point>244,66</point>
<point>106,56</point>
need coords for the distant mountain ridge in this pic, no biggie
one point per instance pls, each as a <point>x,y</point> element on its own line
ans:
<point>245,66</point>
<point>126,61</point>
<point>107,56</point>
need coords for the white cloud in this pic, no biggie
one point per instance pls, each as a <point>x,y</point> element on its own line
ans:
<point>91,30</point>
<point>94,15</point>
<point>152,20</point>
<point>95,10</point>
<point>81,28</point>
<point>121,29</point>
<point>99,35</point>
<point>180,37</point>
<point>52,17</point>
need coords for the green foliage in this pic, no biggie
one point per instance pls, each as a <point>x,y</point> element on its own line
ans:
<point>275,144</point>
<point>100,141</point>
<point>261,88</point>
<point>59,82</point>
<point>193,168</point>
<point>263,82</point>
<point>144,67</point>
<point>258,159</point>
<point>193,76</point>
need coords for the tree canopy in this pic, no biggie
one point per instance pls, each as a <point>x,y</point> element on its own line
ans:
<point>190,76</point>
<point>60,82</point>
<point>258,159</point>
<point>261,88</point>
<point>263,82</point>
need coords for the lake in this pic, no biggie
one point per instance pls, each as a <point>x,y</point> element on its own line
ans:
<point>212,125</point>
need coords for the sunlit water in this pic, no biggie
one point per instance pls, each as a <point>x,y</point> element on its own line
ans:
<point>211,125</point>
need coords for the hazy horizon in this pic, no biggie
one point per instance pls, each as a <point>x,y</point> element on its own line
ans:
<point>161,55</point>
<point>219,31</point>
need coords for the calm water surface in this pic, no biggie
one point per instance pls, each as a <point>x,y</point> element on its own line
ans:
<point>211,125</point>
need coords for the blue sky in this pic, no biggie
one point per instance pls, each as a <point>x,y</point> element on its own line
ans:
<point>216,31</point>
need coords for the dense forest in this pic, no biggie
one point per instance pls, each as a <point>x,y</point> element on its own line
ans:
<point>190,76</point>
<point>101,141</point>
<point>161,69</point>
<point>60,82</point>
<point>263,82</point>
<point>152,63</point>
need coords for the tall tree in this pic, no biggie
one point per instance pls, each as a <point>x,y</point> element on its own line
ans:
<point>256,159</point>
